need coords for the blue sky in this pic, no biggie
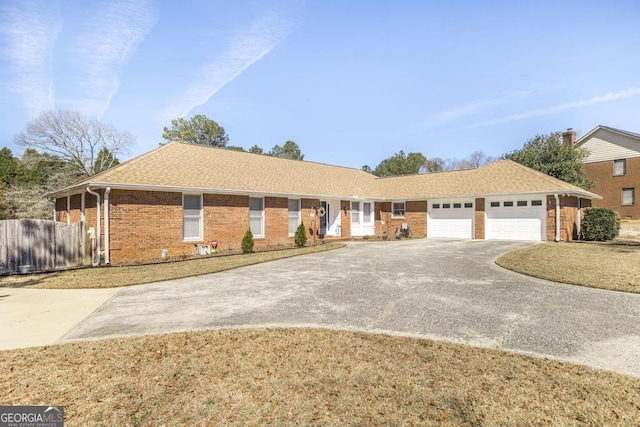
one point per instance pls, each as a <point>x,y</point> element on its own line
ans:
<point>352,82</point>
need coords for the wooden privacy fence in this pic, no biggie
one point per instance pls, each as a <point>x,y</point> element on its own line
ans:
<point>42,245</point>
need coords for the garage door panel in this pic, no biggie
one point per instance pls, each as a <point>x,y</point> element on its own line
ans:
<point>456,223</point>
<point>516,223</point>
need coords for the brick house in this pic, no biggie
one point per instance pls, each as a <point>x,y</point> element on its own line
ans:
<point>614,164</point>
<point>181,195</point>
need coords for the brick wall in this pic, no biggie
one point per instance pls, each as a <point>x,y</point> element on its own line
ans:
<point>610,186</point>
<point>479,219</point>
<point>568,217</point>
<point>415,215</point>
<point>345,227</point>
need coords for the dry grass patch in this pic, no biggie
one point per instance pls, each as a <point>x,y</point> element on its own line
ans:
<point>605,266</point>
<point>113,277</point>
<point>309,377</point>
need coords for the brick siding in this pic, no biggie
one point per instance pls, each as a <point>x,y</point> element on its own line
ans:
<point>479,227</point>
<point>610,186</point>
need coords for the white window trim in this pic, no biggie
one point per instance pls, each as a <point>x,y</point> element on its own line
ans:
<point>261,217</point>
<point>200,227</point>
<point>298,217</point>
<point>393,211</point>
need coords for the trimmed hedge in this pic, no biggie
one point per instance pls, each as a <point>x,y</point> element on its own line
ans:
<point>600,224</point>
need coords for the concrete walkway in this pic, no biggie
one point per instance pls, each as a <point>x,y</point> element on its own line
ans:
<point>36,317</point>
<point>440,289</point>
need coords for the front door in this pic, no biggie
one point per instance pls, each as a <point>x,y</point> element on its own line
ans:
<point>324,216</point>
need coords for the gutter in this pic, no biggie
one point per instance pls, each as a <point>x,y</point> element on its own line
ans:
<point>96,263</point>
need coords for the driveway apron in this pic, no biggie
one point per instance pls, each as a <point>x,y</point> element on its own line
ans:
<point>440,289</point>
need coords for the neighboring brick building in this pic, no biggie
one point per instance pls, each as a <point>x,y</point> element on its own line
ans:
<point>614,164</point>
<point>180,195</point>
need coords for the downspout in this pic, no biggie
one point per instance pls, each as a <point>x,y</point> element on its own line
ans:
<point>82,206</point>
<point>578,219</point>
<point>68,209</point>
<point>106,225</point>
<point>557,217</point>
<point>94,263</point>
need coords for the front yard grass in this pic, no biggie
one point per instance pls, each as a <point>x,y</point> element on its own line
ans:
<point>606,266</point>
<point>113,277</point>
<point>309,377</point>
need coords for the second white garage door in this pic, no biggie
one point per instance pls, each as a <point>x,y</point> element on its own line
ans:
<point>516,219</point>
<point>453,219</point>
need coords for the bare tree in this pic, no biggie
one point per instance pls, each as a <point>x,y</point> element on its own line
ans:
<point>77,140</point>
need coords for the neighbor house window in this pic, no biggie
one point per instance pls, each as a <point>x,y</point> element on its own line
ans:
<point>256,216</point>
<point>398,210</point>
<point>507,204</point>
<point>446,205</point>
<point>355,212</point>
<point>522,203</point>
<point>619,167</point>
<point>468,205</point>
<point>435,206</point>
<point>294,216</point>
<point>495,204</point>
<point>192,216</point>
<point>457,205</point>
<point>536,203</point>
<point>628,196</point>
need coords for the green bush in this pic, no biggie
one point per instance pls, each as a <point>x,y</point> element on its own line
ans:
<point>301,236</point>
<point>600,224</point>
<point>247,242</point>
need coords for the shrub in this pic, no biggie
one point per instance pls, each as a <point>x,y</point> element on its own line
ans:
<point>247,242</point>
<point>600,224</point>
<point>301,236</point>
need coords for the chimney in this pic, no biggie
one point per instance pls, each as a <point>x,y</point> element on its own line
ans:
<point>569,137</point>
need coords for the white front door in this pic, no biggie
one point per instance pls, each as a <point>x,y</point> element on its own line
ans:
<point>330,221</point>
<point>362,223</point>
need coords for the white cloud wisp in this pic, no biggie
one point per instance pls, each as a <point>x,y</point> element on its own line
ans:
<point>30,30</point>
<point>112,36</point>
<point>243,51</point>
<point>612,96</point>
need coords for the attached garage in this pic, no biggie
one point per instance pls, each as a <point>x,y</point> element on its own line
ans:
<point>518,218</point>
<point>450,218</point>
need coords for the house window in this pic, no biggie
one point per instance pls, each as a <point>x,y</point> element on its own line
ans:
<point>256,216</point>
<point>507,204</point>
<point>398,210</point>
<point>294,216</point>
<point>536,203</point>
<point>522,203</point>
<point>628,196</point>
<point>446,205</point>
<point>619,167</point>
<point>457,205</point>
<point>435,206</point>
<point>468,205</point>
<point>495,204</point>
<point>192,216</point>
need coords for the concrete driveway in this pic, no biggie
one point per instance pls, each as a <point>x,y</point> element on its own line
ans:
<point>441,289</point>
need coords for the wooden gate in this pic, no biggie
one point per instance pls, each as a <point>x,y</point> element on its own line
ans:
<point>41,245</point>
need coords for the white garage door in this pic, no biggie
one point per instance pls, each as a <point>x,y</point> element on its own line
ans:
<point>516,219</point>
<point>453,219</point>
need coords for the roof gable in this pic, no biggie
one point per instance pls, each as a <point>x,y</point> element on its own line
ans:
<point>605,143</point>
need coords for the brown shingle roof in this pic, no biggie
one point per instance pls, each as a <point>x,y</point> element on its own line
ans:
<point>500,177</point>
<point>183,167</point>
